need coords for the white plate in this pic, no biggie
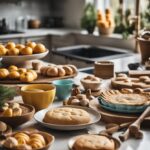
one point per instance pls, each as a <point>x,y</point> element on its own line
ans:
<point>94,115</point>
<point>22,58</point>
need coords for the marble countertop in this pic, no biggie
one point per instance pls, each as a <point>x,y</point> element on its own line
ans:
<point>62,137</point>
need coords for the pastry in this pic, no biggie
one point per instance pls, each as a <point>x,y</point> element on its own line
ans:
<point>74,69</point>
<point>10,142</point>
<point>3,73</point>
<point>39,48</point>
<point>3,127</point>
<point>10,45</point>
<point>33,73</point>
<point>93,142</point>
<point>61,72</point>
<point>52,72</point>
<point>22,138</point>
<point>133,99</point>
<point>13,52</point>
<point>67,116</point>
<point>38,136</point>
<point>3,50</point>
<point>26,77</point>
<point>12,68</point>
<point>31,44</point>
<point>26,51</point>
<point>22,70</point>
<point>143,78</point>
<point>23,147</point>
<point>14,75</point>
<point>68,70</point>
<point>43,70</point>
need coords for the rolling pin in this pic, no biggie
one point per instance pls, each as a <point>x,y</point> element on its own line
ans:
<point>135,126</point>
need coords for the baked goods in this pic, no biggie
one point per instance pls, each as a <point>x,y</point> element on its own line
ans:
<point>123,81</point>
<point>12,49</point>
<point>67,116</point>
<point>10,110</point>
<point>15,73</point>
<point>128,98</point>
<point>3,73</point>
<point>58,70</point>
<point>26,141</point>
<point>91,82</point>
<point>79,99</point>
<point>94,142</point>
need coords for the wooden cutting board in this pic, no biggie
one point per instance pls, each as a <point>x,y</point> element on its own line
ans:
<point>41,79</point>
<point>114,117</point>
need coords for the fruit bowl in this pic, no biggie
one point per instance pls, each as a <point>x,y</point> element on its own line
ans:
<point>13,60</point>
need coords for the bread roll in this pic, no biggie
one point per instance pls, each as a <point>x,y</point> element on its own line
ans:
<point>68,70</point>
<point>61,72</point>
<point>52,72</point>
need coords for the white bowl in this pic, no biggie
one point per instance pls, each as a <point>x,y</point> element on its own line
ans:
<point>13,60</point>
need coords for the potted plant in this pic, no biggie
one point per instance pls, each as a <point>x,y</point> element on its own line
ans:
<point>88,20</point>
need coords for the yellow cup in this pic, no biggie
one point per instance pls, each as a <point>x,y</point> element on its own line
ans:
<point>38,95</point>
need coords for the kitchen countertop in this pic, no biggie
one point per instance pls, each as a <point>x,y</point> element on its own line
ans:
<point>40,32</point>
<point>55,31</point>
<point>62,137</point>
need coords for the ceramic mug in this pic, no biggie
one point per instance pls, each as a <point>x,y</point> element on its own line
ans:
<point>63,88</point>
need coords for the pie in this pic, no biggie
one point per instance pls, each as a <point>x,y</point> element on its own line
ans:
<point>93,142</point>
<point>67,116</point>
<point>133,99</point>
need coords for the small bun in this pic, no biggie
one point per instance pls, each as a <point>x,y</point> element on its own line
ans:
<point>61,72</point>
<point>68,70</point>
<point>74,69</point>
<point>52,71</point>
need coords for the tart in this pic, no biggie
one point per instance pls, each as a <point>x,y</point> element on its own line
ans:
<point>132,99</point>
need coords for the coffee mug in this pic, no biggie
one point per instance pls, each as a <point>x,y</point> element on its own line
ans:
<point>63,88</point>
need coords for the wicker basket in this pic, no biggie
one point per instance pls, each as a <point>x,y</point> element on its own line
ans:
<point>104,69</point>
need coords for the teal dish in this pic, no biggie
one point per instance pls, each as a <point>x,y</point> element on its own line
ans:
<point>63,88</point>
<point>120,107</point>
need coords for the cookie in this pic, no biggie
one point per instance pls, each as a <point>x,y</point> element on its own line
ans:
<point>67,116</point>
<point>93,142</point>
<point>143,78</point>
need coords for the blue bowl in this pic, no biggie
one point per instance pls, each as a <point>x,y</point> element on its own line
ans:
<point>63,88</point>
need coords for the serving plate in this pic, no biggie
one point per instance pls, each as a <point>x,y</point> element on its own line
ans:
<point>94,115</point>
<point>73,139</point>
<point>13,60</point>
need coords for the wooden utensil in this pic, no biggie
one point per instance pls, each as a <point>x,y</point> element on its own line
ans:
<point>135,127</point>
<point>112,128</point>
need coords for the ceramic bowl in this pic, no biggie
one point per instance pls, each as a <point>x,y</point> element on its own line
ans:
<point>63,88</point>
<point>19,120</point>
<point>13,60</point>
<point>38,95</point>
<point>106,31</point>
<point>93,85</point>
<point>48,138</point>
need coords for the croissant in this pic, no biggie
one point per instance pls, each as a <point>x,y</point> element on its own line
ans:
<point>22,138</point>
<point>38,136</point>
<point>36,144</point>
